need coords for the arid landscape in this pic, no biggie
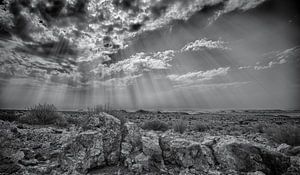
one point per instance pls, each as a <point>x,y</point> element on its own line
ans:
<point>149,87</point>
<point>236,142</point>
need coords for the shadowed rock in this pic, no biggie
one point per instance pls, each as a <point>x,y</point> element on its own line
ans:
<point>243,156</point>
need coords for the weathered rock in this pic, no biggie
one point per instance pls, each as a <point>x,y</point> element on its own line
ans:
<point>132,140</point>
<point>95,148</point>
<point>243,156</point>
<point>283,148</point>
<point>141,151</point>
<point>294,151</point>
<point>103,142</point>
<point>85,152</point>
<point>294,169</point>
<point>151,146</point>
<point>142,163</point>
<point>7,165</point>
<point>186,153</point>
<point>112,136</point>
<point>75,151</point>
<point>30,162</point>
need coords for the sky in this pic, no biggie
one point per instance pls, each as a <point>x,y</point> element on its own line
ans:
<point>150,54</point>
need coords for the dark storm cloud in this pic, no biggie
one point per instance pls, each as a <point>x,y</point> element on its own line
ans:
<point>78,37</point>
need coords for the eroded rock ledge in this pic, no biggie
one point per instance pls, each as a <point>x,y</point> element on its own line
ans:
<point>106,142</point>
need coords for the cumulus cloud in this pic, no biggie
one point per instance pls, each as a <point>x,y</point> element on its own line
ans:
<point>141,62</point>
<point>85,70</point>
<point>76,37</point>
<point>232,5</point>
<point>198,77</point>
<point>204,44</point>
<point>138,64</point>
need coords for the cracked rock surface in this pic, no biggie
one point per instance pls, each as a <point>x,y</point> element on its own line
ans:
<point>106,146</point>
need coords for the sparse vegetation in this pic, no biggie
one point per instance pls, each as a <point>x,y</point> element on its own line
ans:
<point>61,122</point>
<point>95,110</point>
<point>43,114</point>
<point>179,126</point>
<point>155,125</point>
<point>201,127</point>
<point>284,134</point>
<point>76,120</point>
<point>9,116</point>
<point>260,127</point>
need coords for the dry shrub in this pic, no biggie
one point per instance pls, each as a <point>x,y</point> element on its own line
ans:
<point>76,120</point>
<point>43,114</point>
<point>95,110</point>
<point>179,126</point>
<point>260,127</point>
<point>201,127</point>
<point>9,116</point>
<point>155,125</point>
<point>288,134</point>
<point>61,122</point>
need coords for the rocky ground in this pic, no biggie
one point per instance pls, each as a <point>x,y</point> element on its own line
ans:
<point>234,142</point>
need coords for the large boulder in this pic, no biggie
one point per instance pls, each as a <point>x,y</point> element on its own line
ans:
<point>49,150</point>
<point>8,165</point>
<point>131,140</point>
<point>186,153</point>
<point>97,147</point>
<point>86,151</point>
<point>151,146</point>
<point>112,137</point>
<point>141,150</point>
<point>243,156</point>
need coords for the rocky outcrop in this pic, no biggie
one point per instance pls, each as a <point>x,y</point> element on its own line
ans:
<point>97,146</point>
<point>102,141</point>
<point>63,151</point>
<point>243,156</point>
<point>84,152</point>
<point>141,151</point>
<point>131,140</point>
<point>186,153</point>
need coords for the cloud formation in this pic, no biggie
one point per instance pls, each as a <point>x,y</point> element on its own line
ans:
<point>71,40</point>
<point>204,44</point>
<point>271,59</point>
<point>198,77</point>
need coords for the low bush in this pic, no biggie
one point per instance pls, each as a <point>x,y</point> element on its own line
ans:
<point>43,114</point>
<point>201,127</point>
<point>155,125</point>
<point>284,134</point>
<point>27,119</point>
<point>9,116</point>
<point>76,120</point>
<point>260,127</point>
<point>179,126</point>
<point>61,122</point>
<point>95,110</point>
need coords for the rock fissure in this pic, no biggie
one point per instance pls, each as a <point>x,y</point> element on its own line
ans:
<point>216,162</point>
